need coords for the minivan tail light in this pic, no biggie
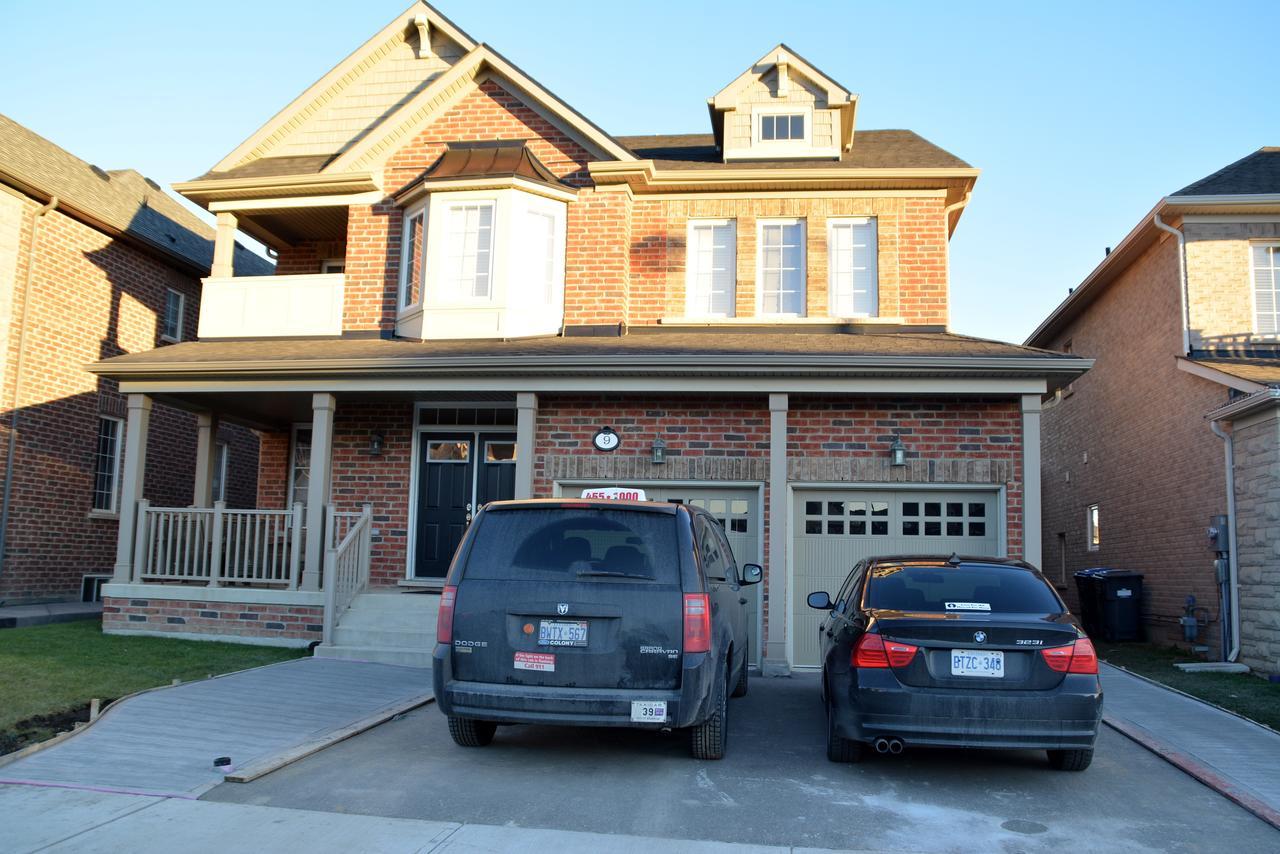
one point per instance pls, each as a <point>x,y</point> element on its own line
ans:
<point>1079,657</point>
<point>697,622</point>
<point>874,651</point>
<point>444,620</point>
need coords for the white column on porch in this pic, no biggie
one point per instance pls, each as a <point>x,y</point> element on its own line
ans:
<point>224,246</point>
<point>775,651</point>
<point>206,458</point>
<point>322,406</point>
<point>132,469</point>
<point>1031,541</point>
<point>526,423</point>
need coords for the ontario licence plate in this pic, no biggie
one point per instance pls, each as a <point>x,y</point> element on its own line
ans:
<point>973,662</point>
<point>562,633</point>
<point>648,711</point>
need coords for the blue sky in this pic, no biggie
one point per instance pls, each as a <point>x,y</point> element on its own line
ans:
<point>1080,115</point>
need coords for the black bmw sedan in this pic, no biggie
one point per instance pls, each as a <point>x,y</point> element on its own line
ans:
<point>955,652</point>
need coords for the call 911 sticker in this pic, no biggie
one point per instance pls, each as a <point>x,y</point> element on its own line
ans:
<point>968,606</point>
<point>542,661</point>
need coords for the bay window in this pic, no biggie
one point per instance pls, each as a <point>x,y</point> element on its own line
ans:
<point>781,267</point>
<point>468,271</point>
<point>853,278</point>
<point>413,246</point>
<point>711,268</point>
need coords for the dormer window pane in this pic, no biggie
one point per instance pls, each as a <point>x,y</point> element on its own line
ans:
<point>469,257</point>
<point>783,126</point>
<point>854,280</point>
<point>782,273</point>
<point>712,271</point>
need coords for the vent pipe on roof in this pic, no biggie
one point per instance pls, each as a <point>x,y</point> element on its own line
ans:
<point>1182,279</point>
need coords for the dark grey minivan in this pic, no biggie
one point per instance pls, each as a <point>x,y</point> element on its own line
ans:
<point>593,613</point>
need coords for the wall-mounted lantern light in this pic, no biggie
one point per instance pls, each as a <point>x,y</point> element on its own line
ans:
<point>897,452</point>
<point>659,452</point>
<point>376,441</point>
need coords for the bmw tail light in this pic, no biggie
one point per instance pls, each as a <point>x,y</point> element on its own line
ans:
<point>874,651</point>
<point>1079,657</point>
<point>697,622</point>
<point>444,620</point>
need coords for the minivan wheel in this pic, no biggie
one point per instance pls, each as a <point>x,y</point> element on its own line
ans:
<point>469,732</point>
<point>740,689</point>
<point>1070,760</point>
<point>839,748</point>
<point>709,737</point>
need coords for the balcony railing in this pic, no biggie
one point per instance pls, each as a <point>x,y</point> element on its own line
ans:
<point>272,306</point>
<point>216,546</point>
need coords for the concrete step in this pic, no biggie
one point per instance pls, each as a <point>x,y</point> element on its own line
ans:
<point>411,639</point>
<point>410,622</point>
<point>381,655</point>
<point>396,602</point>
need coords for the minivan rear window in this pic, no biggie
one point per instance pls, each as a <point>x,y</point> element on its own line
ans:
<point>575,545</point>
<point>960,590</point>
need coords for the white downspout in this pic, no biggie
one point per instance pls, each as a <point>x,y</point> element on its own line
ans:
<point>1233,570</point>
<point>1182,279</point>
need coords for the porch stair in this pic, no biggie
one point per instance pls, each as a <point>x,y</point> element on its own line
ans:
<point>387,627</point>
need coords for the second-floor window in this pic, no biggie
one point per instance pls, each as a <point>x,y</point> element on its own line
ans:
<point>468,271</point>
<point>781,269</point>
<point>540,253</point>
<point>412,244</point>
<point>711,272</point>
<point>171,328</point>
<point>851,262</point>
<point>1266,289</point>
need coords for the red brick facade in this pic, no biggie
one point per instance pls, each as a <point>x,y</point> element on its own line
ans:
<point>285,624</point>
<point>92,296</point>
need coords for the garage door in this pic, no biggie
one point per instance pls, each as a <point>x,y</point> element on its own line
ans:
<point>739,515</point>
<point>834,529</point>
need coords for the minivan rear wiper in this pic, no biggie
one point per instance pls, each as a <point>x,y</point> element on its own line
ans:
<point>608,573</point>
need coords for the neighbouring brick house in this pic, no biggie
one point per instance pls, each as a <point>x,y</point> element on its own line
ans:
<point>93,264</point>
<point>1183,319</point>
<point>475,282</point>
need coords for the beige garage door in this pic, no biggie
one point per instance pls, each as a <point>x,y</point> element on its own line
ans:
<point>834,529</point>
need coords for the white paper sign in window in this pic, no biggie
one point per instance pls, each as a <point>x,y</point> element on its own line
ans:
<point>469,251</point>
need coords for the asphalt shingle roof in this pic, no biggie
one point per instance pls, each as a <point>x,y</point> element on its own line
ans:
<point>1255,174</point>
<point>871,149</point>
<point>1261,371</point>
<point>121,199</point>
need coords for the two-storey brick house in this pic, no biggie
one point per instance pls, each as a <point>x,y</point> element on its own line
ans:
<point>475,281</point>
<point>1183,319</point>
<point>93,263</point>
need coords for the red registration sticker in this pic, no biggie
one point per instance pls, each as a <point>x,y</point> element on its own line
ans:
<point>544,661</point>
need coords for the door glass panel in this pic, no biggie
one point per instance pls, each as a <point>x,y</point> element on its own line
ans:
<point>449,450</point>
<point>500,452</point>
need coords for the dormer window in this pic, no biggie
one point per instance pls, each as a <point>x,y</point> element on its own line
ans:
<point>782,126</point>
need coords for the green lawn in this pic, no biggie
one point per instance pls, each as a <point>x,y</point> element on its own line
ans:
<point>1242,693</point>
<point>57,669</point>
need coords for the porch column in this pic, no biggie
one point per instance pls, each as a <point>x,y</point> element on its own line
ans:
<point>775,650</point>
<point>322,405</point>
<point>132,470</point>
<point>1031,521</point>
<point>206,458</point>
<point>224,246</point>
<point>526,423</point>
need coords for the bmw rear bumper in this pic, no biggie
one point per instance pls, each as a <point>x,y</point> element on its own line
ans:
<point>688,705</point>
<point>878,705</point>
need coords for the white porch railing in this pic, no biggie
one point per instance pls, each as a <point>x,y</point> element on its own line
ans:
<point>346,565</point>
<point>218,546</point>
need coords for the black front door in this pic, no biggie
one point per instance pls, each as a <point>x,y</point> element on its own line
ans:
<point>458,472</point>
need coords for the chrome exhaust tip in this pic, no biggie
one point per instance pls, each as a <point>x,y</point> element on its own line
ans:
<point>882,745</point>
<point>895,746</point>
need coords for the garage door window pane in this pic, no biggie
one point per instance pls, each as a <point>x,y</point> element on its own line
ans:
<point>738,507</point>
<point>933,508</point>
<point>835,527</point>
<point>879,529</point>
<point>955,529</point>
<point>977,529</point>
<point>977,509</point>
<point>955,508</point>
<point>858,528</point>
<point>813,508</point>
<point>879,508</point>
<point>911,508</point>
<point>933,529</point>
<point>910,529</point>
<point>813,526</point>
<point>857,508</point>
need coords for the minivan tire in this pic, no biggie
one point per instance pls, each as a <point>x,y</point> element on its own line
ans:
<point>839,748</point>
<point>709,737</point>
<point>740,689</point>
<point>1070,760</point>
<point>469,732</point>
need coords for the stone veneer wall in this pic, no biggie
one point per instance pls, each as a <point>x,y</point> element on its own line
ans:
<point>1257,471</point>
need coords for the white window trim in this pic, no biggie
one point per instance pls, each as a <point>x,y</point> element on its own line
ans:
<point>804,265</point>
<point>442,283</point>
<point>182,316</point>
<point>689,272</point>
<point>1089,529</point>
<point>115,474</point>
<point>406,248</point>
<point>1253,289</point>
<point>759,112</point>
<point>832,224</point>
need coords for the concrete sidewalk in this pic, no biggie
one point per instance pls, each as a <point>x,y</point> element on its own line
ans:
<point>70,820</point>
<point>1233,756</point>
<point>19,616</point>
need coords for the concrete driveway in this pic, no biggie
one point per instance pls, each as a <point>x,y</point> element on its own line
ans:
<point>775,787</point>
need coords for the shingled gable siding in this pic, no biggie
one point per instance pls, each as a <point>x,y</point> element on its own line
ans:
<point>911,234</point>
<point>373,231</point>
<point>91,297</point>
<point>1131,437</point>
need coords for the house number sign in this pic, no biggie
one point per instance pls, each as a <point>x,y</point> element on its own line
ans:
<point>606,440</point>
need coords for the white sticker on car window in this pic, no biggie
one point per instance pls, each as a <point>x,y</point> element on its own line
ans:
<point>968,606</point>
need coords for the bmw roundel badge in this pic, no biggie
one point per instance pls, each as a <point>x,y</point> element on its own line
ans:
<point>980,637</point>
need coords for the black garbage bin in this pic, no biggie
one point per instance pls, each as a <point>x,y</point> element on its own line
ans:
<point>1111,603</point>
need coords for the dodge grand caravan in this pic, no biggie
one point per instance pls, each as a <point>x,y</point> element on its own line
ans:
<point>593,613</point>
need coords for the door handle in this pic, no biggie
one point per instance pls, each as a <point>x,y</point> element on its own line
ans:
<point>468,513</point>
